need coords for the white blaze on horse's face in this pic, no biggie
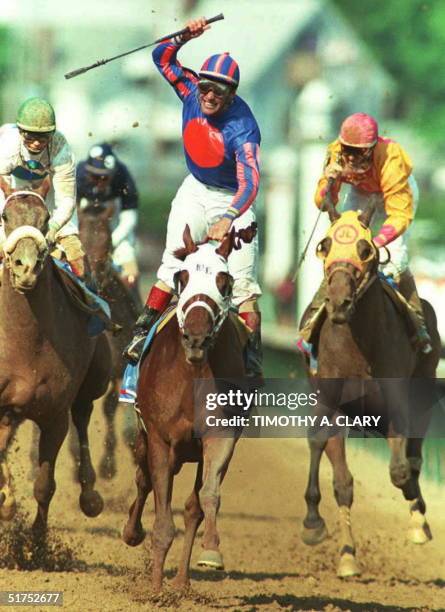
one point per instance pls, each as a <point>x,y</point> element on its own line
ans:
<point>203,267</point>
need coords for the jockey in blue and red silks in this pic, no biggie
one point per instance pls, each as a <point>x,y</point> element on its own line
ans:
<point>221,145</point>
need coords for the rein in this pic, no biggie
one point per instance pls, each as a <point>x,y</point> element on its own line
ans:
<point>365,283</point>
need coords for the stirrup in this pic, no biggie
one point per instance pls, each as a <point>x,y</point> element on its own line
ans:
<point>133,352</point>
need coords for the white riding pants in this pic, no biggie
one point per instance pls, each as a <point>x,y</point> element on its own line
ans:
<point>200,206</point>
<point>357,199</point>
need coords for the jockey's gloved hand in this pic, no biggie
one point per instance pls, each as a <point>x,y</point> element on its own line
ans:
<point>50,237</point>
<point>333,171</point>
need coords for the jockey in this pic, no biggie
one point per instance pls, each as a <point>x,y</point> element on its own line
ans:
<point>104,178</point>
<point>221,144</point>
<point>32,150</point>
<point>379,170</point>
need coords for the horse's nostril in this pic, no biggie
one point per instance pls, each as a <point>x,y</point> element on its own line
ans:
<point>185,336</point>
<point>18,262</point>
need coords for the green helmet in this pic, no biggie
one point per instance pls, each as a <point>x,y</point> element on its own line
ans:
<point>36,115</point>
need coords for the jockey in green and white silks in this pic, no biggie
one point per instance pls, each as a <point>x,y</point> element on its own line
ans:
<point>32,150</point>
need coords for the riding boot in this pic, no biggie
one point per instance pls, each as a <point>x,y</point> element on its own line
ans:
<point>253,351</point>
<point>157,301</point>
<point>143,325</point>
<point>313,312</point>
<point>407,287</point>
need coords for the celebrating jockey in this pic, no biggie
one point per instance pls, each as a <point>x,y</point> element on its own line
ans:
<point>379,170</point>
<point>32,150</point>
<point>104,178</point>
<point>221,145</point>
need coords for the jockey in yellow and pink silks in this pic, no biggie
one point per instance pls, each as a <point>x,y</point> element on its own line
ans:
<point>378,171</point>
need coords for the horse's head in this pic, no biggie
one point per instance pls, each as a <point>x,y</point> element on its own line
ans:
<point>95,235</point>
<point>204,286</point>
<point>25,220</point>
<point>350,260</point>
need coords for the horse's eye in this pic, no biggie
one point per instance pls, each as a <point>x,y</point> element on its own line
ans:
<point>364,250</point>
<point>224,282</point>
<point>5,217</point>
<point>323,247</point>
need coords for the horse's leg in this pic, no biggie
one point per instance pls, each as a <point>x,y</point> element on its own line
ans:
<point>397,403</point>
<point>314,528</point>
<point>217,453</point>
<point>90,501</point>
<point>34,453</point>
<point>399,468</point>
<point>52,436</point>
<point>134,533</point>
<point>7,499</point>
<point>73,443</point>
<point>344,492</point>
<point>193,516</point>
<point>419,531</point>
<point>161,472</point>
<point>107,466</point>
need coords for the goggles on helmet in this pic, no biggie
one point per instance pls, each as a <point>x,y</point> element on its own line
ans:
<point>361,156</point>
<point>33,136</point>
<point>219,89</point>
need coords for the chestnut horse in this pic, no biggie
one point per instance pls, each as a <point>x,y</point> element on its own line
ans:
<point>48,363</point>
<point>95,234</point>
<point>201,343</point>
<point>363,336</point>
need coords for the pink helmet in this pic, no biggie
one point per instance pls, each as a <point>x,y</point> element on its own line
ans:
<point>359,130</point>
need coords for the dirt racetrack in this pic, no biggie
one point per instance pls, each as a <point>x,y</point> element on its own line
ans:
<point>267,565</point>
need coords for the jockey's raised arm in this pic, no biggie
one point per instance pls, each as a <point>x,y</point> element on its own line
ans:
<point>221,145</point>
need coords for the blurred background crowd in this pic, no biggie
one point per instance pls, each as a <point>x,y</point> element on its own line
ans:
<point>305,65</point>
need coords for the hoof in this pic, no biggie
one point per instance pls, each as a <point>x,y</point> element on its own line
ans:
<point>212,559</point>
<point>133,537</point>
<point>348,566</point>
<point>420,535</point>
<point>8,507</point>
<point>180,583</point>
<point>311,537</point>
<point>91,503</point>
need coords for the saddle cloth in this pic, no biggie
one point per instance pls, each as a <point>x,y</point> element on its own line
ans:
<point>85,300</point>
<point>307,342</point>
<point>128,392</point>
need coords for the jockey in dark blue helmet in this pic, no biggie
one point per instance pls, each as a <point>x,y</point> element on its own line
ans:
<point>102,177</point>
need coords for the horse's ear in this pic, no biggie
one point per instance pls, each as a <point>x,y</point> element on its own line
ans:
<point>44,187</point>
<point>7,189</point>
<point>333,213</point>
<point>188,240</point>
<point>226,246</point>
<point>365,216</point>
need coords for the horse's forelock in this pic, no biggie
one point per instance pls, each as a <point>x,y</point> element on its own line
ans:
<point>24,197</point>
<point>20,206</point>
<point>181,253</point>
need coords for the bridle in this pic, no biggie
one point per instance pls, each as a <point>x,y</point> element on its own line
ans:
<point>25,231</point>
<point>202,284</point>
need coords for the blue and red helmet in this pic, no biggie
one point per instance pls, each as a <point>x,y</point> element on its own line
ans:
<point>221,67</point>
